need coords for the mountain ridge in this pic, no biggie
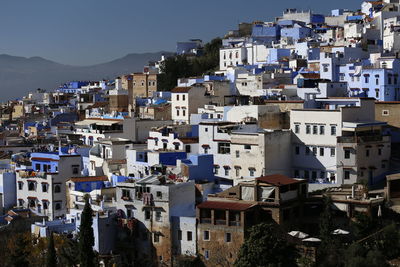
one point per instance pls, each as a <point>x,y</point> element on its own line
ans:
<point>20,75</point>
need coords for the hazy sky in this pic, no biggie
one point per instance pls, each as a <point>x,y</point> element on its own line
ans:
<point>84,32</point>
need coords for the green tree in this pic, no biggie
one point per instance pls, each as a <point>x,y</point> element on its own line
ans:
<point>325,222</point>
<point>19,250</point>
<point>86,237</point>
<point>266,246</point>
<point>51,260</point>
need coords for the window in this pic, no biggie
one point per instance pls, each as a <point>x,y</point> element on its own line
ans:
<point>237,152</point>
<point>159,194</point>
<point>177,112</point>
<point>183,112</point>
<point>333,129</point>
<point>376,93</point>
<point>156,237</point>
<point>179,235</point>
<point>333,152</point>
<point>308,129</point>
<point>177,97</point>
<point>321,129</point>
<point>297,128</point>
<point>226,171</point>
<point>306,174</point>
<point>251,172</point>
<point>31,186</point>
<point>183,97</point>
<point>44,187</point>
<point>228,237</point>
<point>321,151</point>
<point>307,150</point>
<point>315,129</point>
<point>206,129</point>
<point>75,169</point>
<point>206,235</point>
<point>379,151</point>
<point>147,215</point>
<point>189,236</point>
<point>216,167</point>
<point>314,151</point>
<point>296,173</point>
<point>58,206</point>
<point>207,254</point>
<point>383,165</point>
<point>20,185</point>
<point>37,167</point>
<point>347,175</point>
<point>377,81</point>
<point>237,170</point>
<point>57,188</point>
<point>322,175</point>
<point>366,79</point>
<point>367,153</point>
<point>247,147</point>
<point>176,146</point>
<point>297,150</point>
<point>45,205</point>
<point>385,112</point>
<point>224,148</point>
<point>188,149</point>
<point>347,153</point>
<point>158,216</point>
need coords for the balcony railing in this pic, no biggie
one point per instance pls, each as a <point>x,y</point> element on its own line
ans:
<point>205,220</point>
<point>31,174</point>
<point>360,139</point>
<point>220,222</point>
<point>234,223</point>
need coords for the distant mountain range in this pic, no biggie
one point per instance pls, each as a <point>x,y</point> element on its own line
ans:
<point>20,75</point>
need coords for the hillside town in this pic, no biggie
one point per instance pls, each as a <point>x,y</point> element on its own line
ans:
<point>299,118</point>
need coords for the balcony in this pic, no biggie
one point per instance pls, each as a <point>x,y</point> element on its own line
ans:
<point>220,222</point>
<point>205,220</point>
<point>234,223</point>
<point>32,174</point>
<point>362,139</point>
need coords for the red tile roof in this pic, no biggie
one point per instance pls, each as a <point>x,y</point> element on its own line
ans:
<point>310,75</point>
<point>277,180</point>
<point>181,89</point>
<point>89,179</point>
<point>221,205</point>
<point>189,140</point>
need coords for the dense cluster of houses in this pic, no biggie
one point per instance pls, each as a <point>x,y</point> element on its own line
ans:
<point>301,104</point>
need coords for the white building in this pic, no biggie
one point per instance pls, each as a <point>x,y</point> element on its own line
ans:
<point>317,138</point>
<point>157,204</point>
<point>44,192</point>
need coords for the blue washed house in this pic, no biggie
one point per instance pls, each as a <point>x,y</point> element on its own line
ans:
<point>381,84</point>
<point>198,167</point>
<point>266,32</point>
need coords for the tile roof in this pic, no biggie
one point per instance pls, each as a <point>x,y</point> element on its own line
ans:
<point>310,75</point>
<point>181,89</point>
<point>221,205</point>
<point>89,179</point>
<point>277,180</point>
<point>189,140</point>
